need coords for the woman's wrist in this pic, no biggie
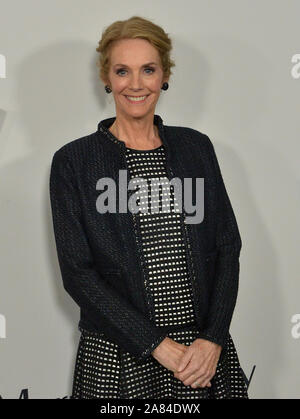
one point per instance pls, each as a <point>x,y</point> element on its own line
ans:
<point>157,351</point>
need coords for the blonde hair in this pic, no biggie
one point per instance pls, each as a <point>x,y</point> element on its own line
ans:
<point>132,28</point>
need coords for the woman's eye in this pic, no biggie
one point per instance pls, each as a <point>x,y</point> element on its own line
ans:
<point>148,68</point>
<point>151,69</point>
<point>119,71</point>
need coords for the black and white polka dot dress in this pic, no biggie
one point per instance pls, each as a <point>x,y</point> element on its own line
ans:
<point>102,368</point>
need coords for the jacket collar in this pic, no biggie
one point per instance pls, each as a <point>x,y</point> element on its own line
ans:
<point>106,123</point>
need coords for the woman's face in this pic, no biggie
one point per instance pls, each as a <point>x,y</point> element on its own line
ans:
<point>131,74</point>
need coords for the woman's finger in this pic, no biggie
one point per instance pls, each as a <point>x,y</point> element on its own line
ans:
<point>204,383</point>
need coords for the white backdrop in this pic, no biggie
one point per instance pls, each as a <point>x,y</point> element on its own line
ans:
<point>237,80</point>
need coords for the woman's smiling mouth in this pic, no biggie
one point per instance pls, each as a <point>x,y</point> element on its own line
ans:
<point>136,99</point>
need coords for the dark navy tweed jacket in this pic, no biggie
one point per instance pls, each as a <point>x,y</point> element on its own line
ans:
<point>100,255</point>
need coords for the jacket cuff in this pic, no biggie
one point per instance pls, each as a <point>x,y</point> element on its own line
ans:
<point>145,354</point>
<point>218,340</point>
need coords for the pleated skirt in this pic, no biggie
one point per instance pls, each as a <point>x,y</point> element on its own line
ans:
<point>104,370</point>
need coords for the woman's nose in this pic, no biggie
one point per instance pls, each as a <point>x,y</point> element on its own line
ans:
<point>136,83</point>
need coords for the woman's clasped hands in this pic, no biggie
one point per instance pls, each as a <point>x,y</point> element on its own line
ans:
<point>195,365</point>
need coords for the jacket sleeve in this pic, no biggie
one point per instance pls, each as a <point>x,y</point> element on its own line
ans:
<point>116,317</point>
<point>226,281</point>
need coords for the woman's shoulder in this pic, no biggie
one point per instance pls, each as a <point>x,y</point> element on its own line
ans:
<point>77,144</point>
<point>188,134</point>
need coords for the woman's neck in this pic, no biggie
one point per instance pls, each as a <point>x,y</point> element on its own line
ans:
<point>138,142</point>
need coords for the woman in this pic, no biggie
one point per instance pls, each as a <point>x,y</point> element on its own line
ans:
<point>156,292</point>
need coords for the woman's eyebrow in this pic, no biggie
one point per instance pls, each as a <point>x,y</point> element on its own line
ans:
<point>144,65</point>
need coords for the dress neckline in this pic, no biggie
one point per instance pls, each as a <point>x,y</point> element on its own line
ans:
<point>143,151</point>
